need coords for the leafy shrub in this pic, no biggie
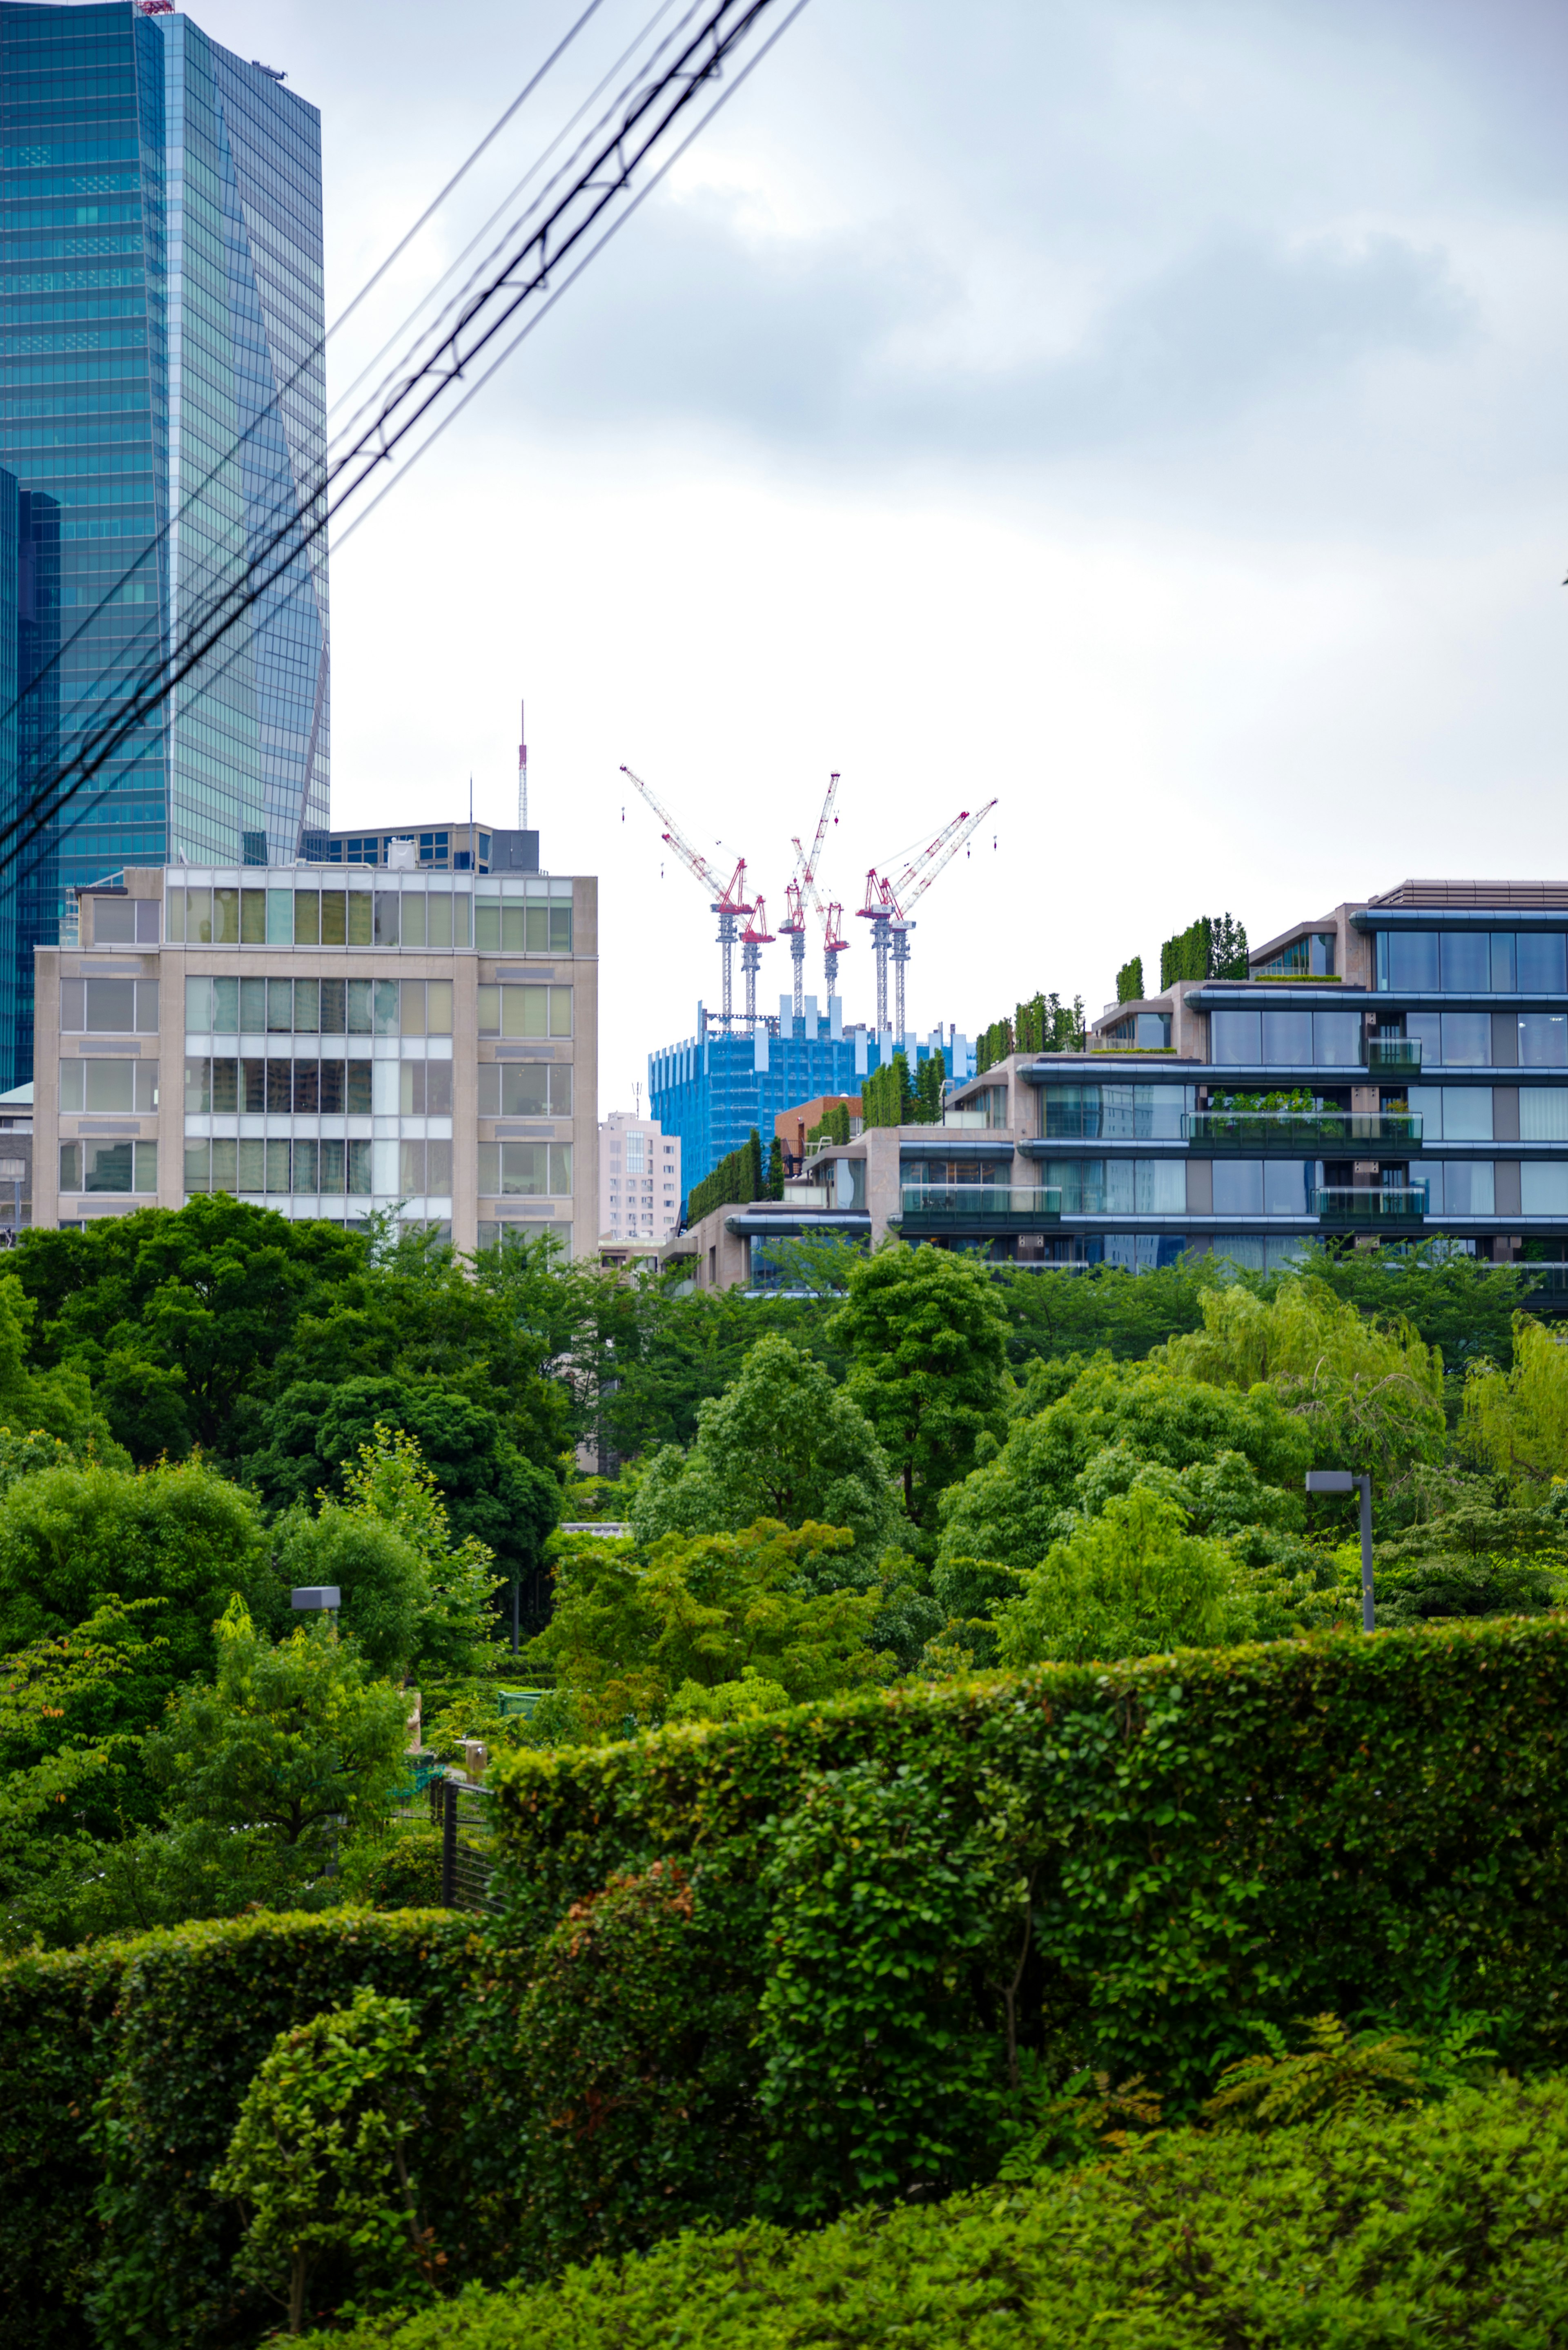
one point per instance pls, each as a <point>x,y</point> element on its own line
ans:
<point>885,1901</point>
<point>1338,2072</point>
<point>1446,2223</point>
<point>398,1871</point>
<point>319,2158</point>
<point>114,2219</point>
<point>1217,1840</point>
<point>636,2070</point>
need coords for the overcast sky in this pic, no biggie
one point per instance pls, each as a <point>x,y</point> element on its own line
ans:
<point>1149,415</point>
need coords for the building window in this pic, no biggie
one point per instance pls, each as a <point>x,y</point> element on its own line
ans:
<point>1472,963</point>
<point>635,1145</point>
<point>123,1007</point>
<point>253,1165</point>
<point>524,1012</point>
<point>524,1170</point>
<point>108,1086</point>
<point>109,1166</point>
<point>525,1089</point>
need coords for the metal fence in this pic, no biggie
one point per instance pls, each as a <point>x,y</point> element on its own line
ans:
<point>464,1814</point>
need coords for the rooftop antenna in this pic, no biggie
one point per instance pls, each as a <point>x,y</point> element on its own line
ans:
<point>521,766</point>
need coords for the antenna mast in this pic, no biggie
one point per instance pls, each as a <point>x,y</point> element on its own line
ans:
<point>523,767</point>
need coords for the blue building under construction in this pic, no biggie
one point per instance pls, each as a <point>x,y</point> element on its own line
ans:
<point>715,1088</point>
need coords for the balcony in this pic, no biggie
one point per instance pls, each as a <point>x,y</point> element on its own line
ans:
<point>1370,1203</point>
<point>1306,1129</point>
<point>931,1208</point>
<point>1392,1056</point>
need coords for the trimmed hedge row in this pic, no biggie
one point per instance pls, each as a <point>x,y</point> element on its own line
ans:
<point>124,2066</point>
<point>1207,1840</point>
<point>1443,2225</point>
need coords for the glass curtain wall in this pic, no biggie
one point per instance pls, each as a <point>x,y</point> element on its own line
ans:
<point>160,208</point>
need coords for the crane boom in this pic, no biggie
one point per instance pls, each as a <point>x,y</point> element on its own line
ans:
<point>728,897</point>
<point>811,866</point>
<point>728,901</point>
<point>921,872</point>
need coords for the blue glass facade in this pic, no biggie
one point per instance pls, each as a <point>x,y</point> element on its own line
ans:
<point>713,1089</point>
<point>162,415</point>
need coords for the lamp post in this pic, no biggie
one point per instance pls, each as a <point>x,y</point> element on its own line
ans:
<point>1343,1480</point>
<point>325,1598</point>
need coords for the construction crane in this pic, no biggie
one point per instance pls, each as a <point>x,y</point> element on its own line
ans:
<point>805,893</point>
<point>728,901</point>
<point>888,904</point>
<point>793,928</point>
<point>754,939</point>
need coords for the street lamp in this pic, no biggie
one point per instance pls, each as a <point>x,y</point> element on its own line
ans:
<point>1343,1480</point>
<point>326,1597</point>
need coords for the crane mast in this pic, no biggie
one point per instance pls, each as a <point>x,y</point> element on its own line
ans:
<point>888,904</point>
<point>833,943</point>
<point>728,901</point>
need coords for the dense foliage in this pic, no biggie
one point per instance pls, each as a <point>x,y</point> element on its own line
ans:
<point>736,1180</point>
<point>1444,2223</point>
<point>1043,1025</point>
<point>796,1911</point>
<point>1213,947</point>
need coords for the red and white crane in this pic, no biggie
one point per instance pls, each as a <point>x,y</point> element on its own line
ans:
<point>888,904</point>
<point>754,939</point>
<point>805,893</point>
<point>728,899</point>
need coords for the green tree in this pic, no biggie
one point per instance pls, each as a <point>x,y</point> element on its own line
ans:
<point>630,1642</point>
<point>1129,981</point>
<point>175,1315</point>
<point>782,1442</point>
<point>1516,1421</point>
<point>49,1695</point>
<point>1126,1584</point>
<point>927,1333</point>
<point>497,1496</point>
<point>181,1534</point>
<point>1366,1393</point>
<point>321,2159</point>
<point>775,1169</point>
<point>887,1096</point>
<point>1108,1428</point>
<point>412,1597</point>
<point>287,1741</point>
<point>928,1083</point>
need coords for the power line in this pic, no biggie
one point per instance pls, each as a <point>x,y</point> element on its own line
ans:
<point>647,120</point>
<point>114,668</point>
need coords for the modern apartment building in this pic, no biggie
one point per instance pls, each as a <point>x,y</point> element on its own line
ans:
<point>328,1044</point>
<point>1393,1071</point>
<point>640,1179</point>
<point>163,426</point>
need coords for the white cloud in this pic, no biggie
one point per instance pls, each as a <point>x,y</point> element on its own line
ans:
<point>1148,414</point>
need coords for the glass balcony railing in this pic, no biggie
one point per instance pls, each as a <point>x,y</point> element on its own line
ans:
<point>1237,1129</point>
<point>1016,1206</point>
<point>1396,1056</point>
<point>1370,1203</point>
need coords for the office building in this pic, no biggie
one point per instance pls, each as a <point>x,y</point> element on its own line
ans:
<point>1392,1072</point>
<point>465,848</point>
<point>711,1090</point>
<point>640,1179</point>
<point>163,428</point>
<point>326,1044</point>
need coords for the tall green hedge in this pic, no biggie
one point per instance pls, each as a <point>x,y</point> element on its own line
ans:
<point>1210,1840</point>
<point>736,1181</point>
<point>124,2065</point>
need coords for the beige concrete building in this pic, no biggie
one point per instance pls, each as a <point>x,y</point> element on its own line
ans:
<point>640,1179</point>
<point>328,1043</point>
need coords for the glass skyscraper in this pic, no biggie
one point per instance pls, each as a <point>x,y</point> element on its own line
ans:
<point>163,427</point>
